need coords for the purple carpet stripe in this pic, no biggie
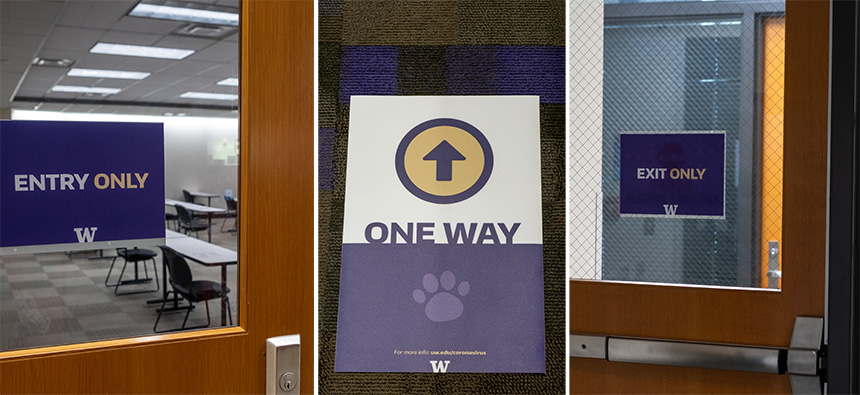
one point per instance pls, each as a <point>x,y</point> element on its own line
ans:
<point>368,70</point>
<point>533,71</point>
<point>326,158</point>
<point>472,70</point>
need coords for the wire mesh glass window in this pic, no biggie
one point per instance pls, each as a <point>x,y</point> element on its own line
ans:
<point>668,67</point>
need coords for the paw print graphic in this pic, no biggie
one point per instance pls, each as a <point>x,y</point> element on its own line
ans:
<point>443,305</point>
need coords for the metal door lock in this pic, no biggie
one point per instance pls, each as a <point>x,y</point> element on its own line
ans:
<point>283,364</point>
<point>287,382</point>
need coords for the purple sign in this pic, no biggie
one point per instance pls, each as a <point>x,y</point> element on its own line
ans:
<point>68,186</point>
<point>442,259</point>
<point>673,174</point>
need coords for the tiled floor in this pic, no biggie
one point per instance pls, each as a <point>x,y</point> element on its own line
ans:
<point>57,298</point>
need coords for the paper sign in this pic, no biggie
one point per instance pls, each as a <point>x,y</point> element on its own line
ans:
<point>673,174</point>
<point>442,267</point>
<point>67,186</point>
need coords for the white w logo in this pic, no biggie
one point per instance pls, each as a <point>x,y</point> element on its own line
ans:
<point>439,367</point>
<point>670,208</point>
<point>86,235</point>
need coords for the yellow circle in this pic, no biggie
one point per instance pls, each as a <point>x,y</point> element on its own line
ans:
<point>464,173</point>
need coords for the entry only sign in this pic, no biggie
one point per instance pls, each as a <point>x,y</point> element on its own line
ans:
<point>680,175</point>
<point>68,186</point>
<point>442,265</point>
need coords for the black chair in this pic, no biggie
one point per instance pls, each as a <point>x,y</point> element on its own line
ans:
<point>189,198</point>
<point>193,291</point>
<point>189,224</point>
<point>169,217</point>
<point>135,256</point>
<point>232,212</point>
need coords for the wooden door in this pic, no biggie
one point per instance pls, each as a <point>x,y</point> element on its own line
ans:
<point>276,272</point>
<point>753,317</point>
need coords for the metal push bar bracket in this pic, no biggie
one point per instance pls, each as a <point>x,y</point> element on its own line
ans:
<point>803,360</point>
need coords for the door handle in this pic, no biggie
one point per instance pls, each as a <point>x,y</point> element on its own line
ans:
<point>803,359</point>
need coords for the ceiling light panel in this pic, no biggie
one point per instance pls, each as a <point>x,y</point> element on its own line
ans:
<point>141,51</point>
<point>209,96</point>
<point>85,89</point>
<point>229,82</point>
<point>117,74</point>
<point>187,12</point>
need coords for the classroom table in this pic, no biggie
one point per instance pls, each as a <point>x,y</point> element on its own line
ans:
<point>202,253</point>
<point>206,195</point>
<point>169,234</point>
<point>197,208</point>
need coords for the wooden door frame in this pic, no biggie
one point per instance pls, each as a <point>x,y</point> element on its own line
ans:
<point>276,245</point>
<point>624,309</point>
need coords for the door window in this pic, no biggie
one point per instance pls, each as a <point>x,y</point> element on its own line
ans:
<point>670,73</point>
<point>64,60</point>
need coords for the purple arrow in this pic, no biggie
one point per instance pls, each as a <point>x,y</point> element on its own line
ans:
<point>444,154</point>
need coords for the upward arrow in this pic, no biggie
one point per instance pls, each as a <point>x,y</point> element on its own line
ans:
<point>444,154</point>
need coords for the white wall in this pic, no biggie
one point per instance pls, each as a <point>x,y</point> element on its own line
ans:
<point>196,150</point>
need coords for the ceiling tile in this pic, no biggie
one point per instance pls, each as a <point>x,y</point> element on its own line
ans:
<point>168,93</point>
<point>48,106</point>
<point>130,38</point>
<point>223,71</point>
<point>75,13</point>
<point>38,27</point>
<point>100,61</point>
<point>96,14</point>
<point>137,91</point>
<point>42,73</point>
<point>72,38</point>
<point>26,43</point>
<point>100,109</point>
<point>39,10</point>
<point>146,64</point>
<point>204,83</point>
<point>42,85</point>
<point>83,108</point>
<point>190,67</point>
<point>31,92</point>
<point>114,83</point>
<point>64,95</point>
<point>15,59</point>
<point>196,44</point>
<point>228,3</point>
<point>218,52</point>
<point>165,79</point>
